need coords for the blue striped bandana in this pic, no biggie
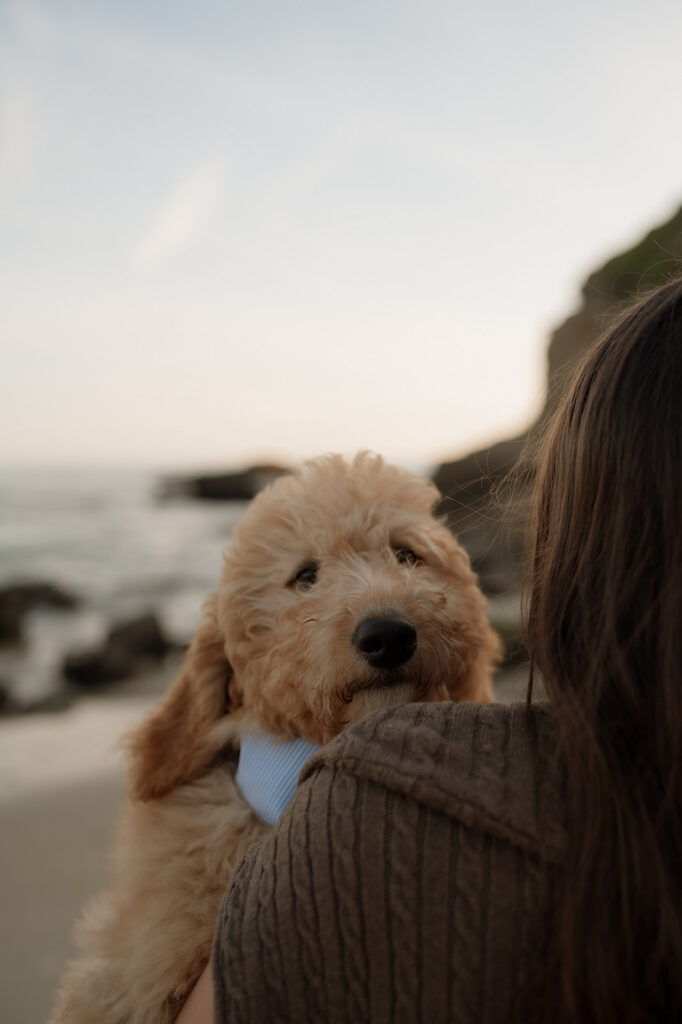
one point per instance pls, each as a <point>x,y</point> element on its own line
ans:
<point>268,771</point>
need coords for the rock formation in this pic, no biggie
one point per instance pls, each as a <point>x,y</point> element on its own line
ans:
<point>128,646</point>
<point>239,485</point>
<point>18,599</point>
<point>485,493</point>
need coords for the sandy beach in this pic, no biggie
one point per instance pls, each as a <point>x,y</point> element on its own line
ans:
<point>61,786</point>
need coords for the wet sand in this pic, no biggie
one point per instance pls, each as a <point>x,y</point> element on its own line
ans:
<point>53,855</point>
<point>61,787</point>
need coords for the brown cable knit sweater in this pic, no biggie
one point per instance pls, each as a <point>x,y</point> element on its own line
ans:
<point>407,880</point>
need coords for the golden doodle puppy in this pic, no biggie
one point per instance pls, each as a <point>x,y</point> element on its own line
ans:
<point>340,594</point>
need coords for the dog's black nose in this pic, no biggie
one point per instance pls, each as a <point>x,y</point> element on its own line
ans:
<point>385,642</point>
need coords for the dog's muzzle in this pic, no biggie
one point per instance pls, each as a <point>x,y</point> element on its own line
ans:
<point>385,641</point>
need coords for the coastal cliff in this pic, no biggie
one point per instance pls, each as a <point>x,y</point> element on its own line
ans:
<point>485,493</point>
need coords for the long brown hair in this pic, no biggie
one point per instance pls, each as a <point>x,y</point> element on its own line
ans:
<point>605,632</point>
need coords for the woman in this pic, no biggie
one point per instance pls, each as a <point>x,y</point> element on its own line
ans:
<point>463,863</point>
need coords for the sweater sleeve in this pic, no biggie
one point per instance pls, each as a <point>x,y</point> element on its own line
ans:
<point>366,905</point>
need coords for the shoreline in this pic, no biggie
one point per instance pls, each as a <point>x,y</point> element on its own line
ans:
<point>48,749</point>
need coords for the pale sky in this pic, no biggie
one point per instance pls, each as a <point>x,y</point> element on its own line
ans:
<point>234,231</point>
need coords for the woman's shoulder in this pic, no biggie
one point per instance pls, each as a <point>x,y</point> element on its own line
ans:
<point>405,873</point>
<point>492,767</point>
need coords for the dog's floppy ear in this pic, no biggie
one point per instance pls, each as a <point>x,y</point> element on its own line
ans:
<point>480,645</point>
<point>476,683</point>
<point>173,746</point>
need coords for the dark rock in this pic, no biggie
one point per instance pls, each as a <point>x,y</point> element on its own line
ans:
<point>11,706</point>
<point>17,599</point>
<point>481,505</point>
<point>127,646</point>
<point>466,484</point>
<point>242,485</point>
<point>513,648</point>
<point>60,700</point>
<point>97,667</point>
<point>141,636</point>
<point>6,702</point>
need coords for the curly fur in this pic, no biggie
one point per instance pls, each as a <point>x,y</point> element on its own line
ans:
<point>273,654</point>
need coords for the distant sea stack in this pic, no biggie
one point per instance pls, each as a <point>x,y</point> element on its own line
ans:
<point>236,485</point>
<point>493,537</point>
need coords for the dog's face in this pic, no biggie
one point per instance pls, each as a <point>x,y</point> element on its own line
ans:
<point>340,594</point>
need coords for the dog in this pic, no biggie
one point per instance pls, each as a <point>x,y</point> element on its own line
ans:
<point>340,594</point>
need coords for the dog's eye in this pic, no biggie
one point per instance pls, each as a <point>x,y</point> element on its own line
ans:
<point>304,578</point>
<point>407,557</point>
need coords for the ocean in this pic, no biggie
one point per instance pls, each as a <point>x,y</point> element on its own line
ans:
<point>105,537</point>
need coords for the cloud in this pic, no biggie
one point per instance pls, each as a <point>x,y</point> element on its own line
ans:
<point>182,216</point>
